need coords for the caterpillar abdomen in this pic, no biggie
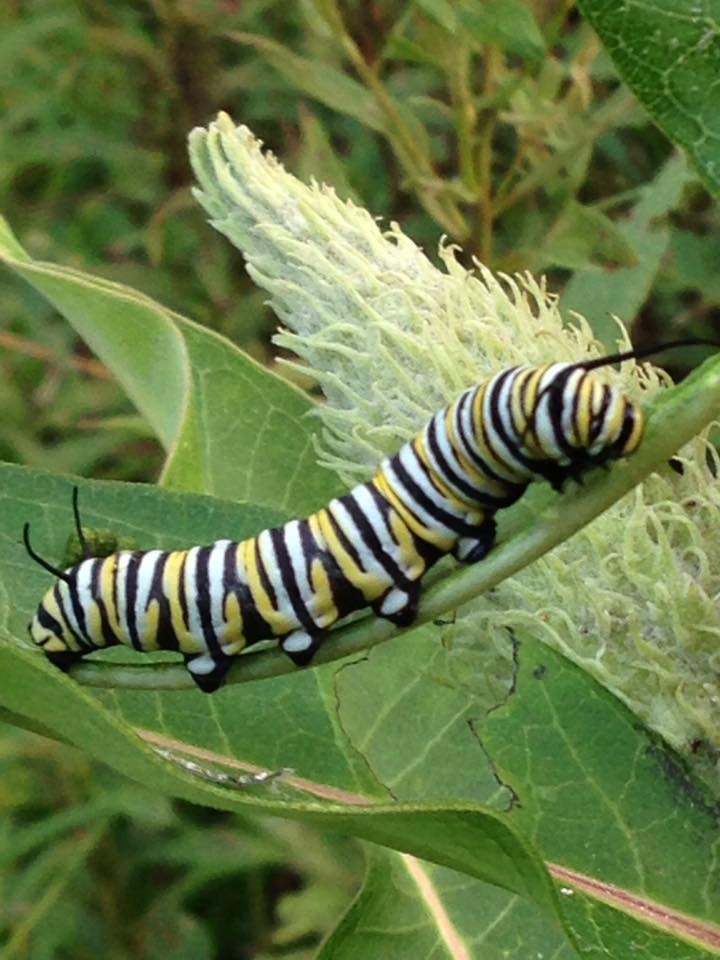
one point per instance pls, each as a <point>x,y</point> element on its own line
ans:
<point>438,494</point>
<point>209,603</point>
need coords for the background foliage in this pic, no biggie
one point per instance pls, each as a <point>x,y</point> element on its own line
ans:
<point>503,125</point>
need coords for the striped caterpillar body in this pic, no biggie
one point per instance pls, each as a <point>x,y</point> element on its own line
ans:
<point>438,494</point>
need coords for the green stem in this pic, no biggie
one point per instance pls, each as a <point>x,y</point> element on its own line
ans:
<point>674,418</point>
<point>465,116</point>
<point>415,162</point>
<point>486,212</point>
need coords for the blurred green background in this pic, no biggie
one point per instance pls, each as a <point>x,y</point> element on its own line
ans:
<point>518,142</point>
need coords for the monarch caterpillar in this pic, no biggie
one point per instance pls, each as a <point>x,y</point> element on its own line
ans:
<point>438,494</point>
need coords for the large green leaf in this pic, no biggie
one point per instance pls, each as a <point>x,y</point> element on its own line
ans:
<point>409,908</point>
<point>628,833</point>
<point>668,53</point>
<point>231,427</point>
<point>615,812</point>
<point>463,836</point>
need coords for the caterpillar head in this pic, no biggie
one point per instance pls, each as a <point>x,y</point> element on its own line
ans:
<point>573,420</point>
<point>577,421</point>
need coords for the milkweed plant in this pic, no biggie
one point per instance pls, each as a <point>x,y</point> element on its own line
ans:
<point>390,337</point>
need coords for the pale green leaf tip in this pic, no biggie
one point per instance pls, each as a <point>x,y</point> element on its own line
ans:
<point>390,338</point>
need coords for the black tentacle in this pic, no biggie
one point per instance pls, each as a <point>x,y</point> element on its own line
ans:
<point>56,571</point>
